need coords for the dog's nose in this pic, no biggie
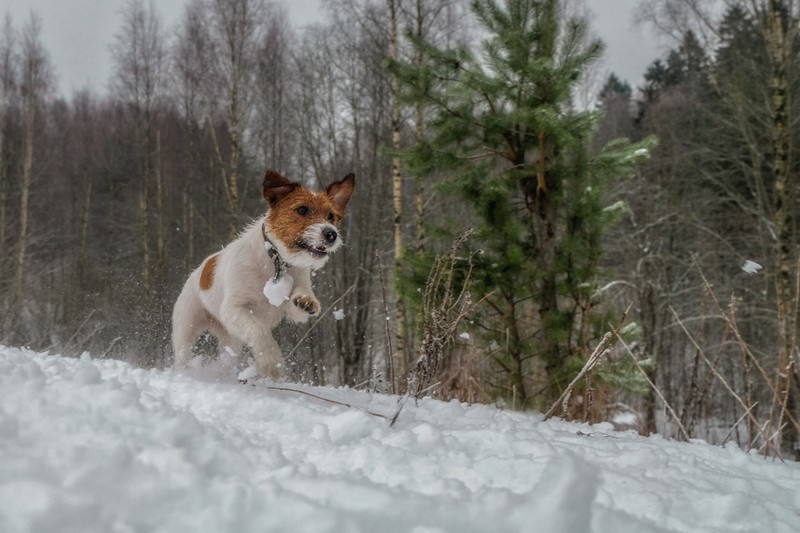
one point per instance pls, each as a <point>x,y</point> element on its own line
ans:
<point>330,235</point>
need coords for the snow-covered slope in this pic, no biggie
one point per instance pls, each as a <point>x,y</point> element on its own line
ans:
<point>100,446</point>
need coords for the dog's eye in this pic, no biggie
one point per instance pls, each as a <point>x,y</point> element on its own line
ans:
<point>330,217</point>
<point>302,210</point>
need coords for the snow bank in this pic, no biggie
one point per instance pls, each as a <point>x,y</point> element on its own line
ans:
<point>100,446</point>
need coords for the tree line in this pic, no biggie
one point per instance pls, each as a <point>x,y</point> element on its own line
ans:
<point>498,231</point>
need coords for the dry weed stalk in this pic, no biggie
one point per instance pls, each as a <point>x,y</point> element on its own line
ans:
<point>779,393</point>
<point>594,359</point>
<point>767,430</point>
<point>670,410</point>
<point>713,370</point>
<point>444,307</point>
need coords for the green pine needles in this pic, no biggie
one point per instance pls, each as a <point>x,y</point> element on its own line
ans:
<point>502,126</point>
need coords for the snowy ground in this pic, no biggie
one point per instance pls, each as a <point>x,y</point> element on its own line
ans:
<point>100,446</point>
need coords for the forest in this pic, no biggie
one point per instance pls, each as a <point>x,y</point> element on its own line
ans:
<point>630,256</point>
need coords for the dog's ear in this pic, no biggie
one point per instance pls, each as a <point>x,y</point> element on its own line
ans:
<point>339,191</point>
<point>276,187</point>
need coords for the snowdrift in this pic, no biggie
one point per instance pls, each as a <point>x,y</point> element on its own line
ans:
<point>101,446</point>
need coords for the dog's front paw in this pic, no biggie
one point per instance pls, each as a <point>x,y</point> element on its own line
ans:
<point>307,304</point>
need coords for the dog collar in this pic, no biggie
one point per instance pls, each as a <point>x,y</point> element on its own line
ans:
<point>272,251</point>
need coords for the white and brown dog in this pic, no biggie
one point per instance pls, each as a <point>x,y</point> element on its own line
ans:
<point>242,292</point>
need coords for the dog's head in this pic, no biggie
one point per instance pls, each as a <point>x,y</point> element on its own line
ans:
<point>301,223</point>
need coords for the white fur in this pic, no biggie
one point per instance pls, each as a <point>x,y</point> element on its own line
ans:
<point>234,308</point>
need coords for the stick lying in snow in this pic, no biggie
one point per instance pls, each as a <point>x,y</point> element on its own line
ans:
<point>286,389</point>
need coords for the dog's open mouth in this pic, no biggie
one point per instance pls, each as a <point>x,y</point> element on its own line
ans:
<point>317,251</point>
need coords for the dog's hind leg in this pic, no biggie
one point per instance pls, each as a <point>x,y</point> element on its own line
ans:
<point>183,339</point>
<point>189,320</point>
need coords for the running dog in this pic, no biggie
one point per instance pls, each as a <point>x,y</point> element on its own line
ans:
<point>242,292</point>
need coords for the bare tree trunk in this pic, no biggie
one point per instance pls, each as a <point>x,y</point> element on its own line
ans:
<point>139,52</point>
<point>160,238</point>
<point>30,100</point>
<point>35,82</point>
<point>188,229</point>
<point>84,228</point>
<point>779,40</point>
<point>7,82</point>
<point>419,135</point>
<point>237,25</point>
<point>144,209</point>
<point>542,214</point>
<point>233,169</point>
<point>397,199</point>
<point>3,183</point>
<point>419,192</point>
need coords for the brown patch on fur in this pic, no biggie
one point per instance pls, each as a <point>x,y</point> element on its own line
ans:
<point>207,275</point>
<point>287,224</point>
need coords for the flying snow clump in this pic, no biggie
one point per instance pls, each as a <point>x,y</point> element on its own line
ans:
<point>751,267</point>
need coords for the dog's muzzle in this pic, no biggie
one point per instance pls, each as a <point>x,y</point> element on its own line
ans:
<point>320,240</point>
<point>330,235</point>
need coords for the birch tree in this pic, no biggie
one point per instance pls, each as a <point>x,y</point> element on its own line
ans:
<point>397,190</point>
<point>235,29</point>
<point>139,80</point>
<point>780,27</point>
<point>36,80</point>
<point>8,88</point>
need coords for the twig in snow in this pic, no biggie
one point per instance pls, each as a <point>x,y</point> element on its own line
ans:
<point>336,402</point>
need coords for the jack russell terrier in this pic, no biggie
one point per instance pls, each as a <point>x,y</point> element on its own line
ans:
<point>242,292</point>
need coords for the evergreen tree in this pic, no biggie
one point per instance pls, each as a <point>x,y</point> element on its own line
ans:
<point>615,88</point>
<point>655,80</point>
<point>687,63</point>
<point>615,100</point>
<point>504,127</point>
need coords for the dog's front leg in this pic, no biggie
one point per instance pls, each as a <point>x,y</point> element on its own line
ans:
<point>268,356</point>
<point>302,303</point>
<point>242,322</point>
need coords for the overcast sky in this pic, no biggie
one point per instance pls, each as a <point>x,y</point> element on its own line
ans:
<point>78,33</point>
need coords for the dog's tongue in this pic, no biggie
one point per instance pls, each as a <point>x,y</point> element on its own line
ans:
<point>277,291</point>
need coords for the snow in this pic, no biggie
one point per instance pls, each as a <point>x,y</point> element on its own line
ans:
<point>89,445</point>
<point>625,418</point>
<point>338,314</point>
<point>278,291</point>
<point>751,267</point>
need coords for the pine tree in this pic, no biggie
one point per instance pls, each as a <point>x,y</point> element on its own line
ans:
<point>504,127</point>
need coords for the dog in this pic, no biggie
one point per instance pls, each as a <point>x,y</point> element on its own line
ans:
<point>242,292</point>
